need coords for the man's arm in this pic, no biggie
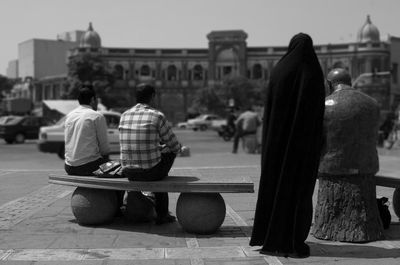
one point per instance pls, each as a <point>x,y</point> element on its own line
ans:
<point>168,137</point>
<point>101,132</point>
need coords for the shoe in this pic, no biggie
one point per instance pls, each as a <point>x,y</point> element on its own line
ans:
<point>165,219</point>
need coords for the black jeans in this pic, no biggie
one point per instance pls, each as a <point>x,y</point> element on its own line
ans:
<point>87,170</point>
<point>158,172</point>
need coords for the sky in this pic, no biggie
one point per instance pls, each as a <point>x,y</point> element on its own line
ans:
<point>185,23</point>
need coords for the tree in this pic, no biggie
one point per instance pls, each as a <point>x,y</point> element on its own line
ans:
<point>206,100</point>
<point>243,91</point>
<point>6,84</point>
<point>89,68</point>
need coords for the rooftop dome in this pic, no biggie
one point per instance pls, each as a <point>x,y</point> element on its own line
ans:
<point>368,32</point>
<point>90,39</point>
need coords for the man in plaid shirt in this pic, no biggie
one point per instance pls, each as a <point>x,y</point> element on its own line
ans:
<point>148,146</point>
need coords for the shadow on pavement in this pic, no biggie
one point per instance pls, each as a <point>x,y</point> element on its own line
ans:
<point>352,251</point>
<point>171,229</point>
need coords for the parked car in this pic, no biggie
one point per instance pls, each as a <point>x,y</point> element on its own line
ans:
<point>16,129</point>
<point>202,122</point>
<point>182,125</point>
<point>51,138</point>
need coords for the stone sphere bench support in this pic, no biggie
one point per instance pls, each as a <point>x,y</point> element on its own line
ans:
<point>200,207</point>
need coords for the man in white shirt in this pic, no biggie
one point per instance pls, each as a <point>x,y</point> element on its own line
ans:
<point>86,143</point>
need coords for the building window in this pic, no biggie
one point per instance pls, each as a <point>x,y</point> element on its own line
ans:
<point>145,70</point>
<point>118,72</point>
<point>197,72</point>
<point>257,71</point>
<point>171,73</point>
<point>395,71</point>
<point>376,65</point>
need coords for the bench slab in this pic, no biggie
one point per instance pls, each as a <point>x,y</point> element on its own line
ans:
<point>180,184</point>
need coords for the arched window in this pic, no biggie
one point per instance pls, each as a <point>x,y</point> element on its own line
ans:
<point>257,71</point>
<point>118,72</point>
<point>171,73</point>
<point>145,70</point>
<point>197,72</point>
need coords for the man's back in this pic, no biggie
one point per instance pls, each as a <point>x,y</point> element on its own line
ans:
<point>85,136</point>
<point>249,120</point>
<point>142,130</point>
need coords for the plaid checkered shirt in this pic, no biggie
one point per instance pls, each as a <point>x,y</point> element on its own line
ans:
<point>142,131</point>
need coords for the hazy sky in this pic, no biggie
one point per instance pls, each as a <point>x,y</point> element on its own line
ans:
<point>185,23</point>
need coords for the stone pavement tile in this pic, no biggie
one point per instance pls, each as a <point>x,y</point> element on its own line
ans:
<point>143,240</point>
<point>341,261</point>
<point>52,225</point>
<point>373,250</point>
<point>125,253</point>
<point>236,261</point>
<point>148,262</point>
<point>81,262</point>
<point>242,205</point>
<point>227,231</point>
<point>122,225</point>
<point>205,252</point>
<point>83,241</point>
<point>10,240</point>
<point>218,241</point>
<point>247,216</point>
<point>50,211</point>
<point>172,228</point>
<point>16,262</point>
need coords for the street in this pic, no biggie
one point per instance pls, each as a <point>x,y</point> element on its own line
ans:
<point>36,223</point>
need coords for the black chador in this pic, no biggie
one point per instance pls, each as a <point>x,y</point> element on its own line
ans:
<point>291,145</point>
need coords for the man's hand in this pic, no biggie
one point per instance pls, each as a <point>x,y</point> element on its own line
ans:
<point>185,151</point>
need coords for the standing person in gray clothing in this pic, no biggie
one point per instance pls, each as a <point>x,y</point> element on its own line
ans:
<point>247,123</point>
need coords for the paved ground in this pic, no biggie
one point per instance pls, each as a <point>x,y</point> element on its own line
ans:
<point>39,228</point>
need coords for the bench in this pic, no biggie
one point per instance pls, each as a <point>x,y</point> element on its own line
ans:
<point>391,180</point>
<point>200,207</point>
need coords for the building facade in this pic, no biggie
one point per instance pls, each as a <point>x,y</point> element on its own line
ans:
<point>179,73</point>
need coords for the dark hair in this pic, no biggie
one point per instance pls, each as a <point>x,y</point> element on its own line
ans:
<point>144,93</point>
<point>86,93</point>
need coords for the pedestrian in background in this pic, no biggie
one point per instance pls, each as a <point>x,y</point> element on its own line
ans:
<point>246,124</point>
<point>291,146</point>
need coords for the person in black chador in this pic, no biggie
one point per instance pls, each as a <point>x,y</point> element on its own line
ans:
<point>291,147</point>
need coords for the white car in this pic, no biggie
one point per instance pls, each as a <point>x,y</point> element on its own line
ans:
<point>51,138</point>
<point>202,122</point>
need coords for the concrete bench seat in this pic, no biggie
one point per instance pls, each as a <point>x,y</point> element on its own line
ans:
<point>200,207</point>
<point>391,180</point>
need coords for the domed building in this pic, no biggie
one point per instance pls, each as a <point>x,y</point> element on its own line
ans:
<point>368,32</point>
<point>178,73</point>
<point>91,39</point>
